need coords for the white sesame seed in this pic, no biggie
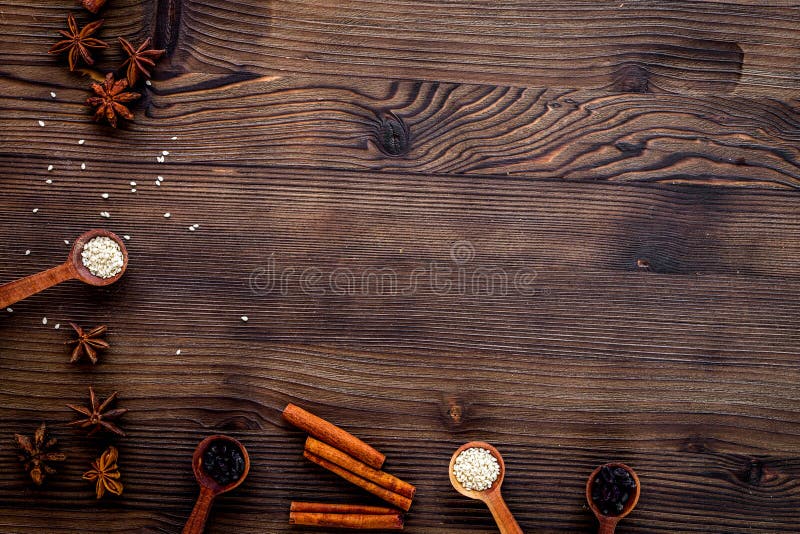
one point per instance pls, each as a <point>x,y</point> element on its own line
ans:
<point>44,320</point>
<point>160,178</point>
<point>160,159</point>
<point>81,141</point>
<point>191,228</point>
<point>41,123</point>
<point>158,183</point>
<point>27,252</point>
<point>133,190</point>
<point>178,352</point>
<point>83,166</point>
<point>49,167</point>
<point>165,152</point>
<point>35,210</point>
<point>126,237</point>
<point>52,94</point>
<point>148,82</point>
<point>104,195</point>
<point>167,215</point>
<point>196,226</point>
<point>174,138</point>
<point>57,326</point>
<point>245,318</point>
<point>48,181</point>
<point>10,310</point>
<point>105,214</point>
<point>66,241</point>
<point>133,184</point>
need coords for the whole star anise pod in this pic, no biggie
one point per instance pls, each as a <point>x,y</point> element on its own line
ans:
<point>87,343</point>
<point>96,418</point>
<point>110,99</point>
<point>78,42</point>
<point>34,454</point>
<point>140,60</point>
<point>106,473</point>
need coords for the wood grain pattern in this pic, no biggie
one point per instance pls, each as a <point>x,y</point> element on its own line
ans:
<point>687,372</point>
<point>339,123</point>
<point>568,229</point>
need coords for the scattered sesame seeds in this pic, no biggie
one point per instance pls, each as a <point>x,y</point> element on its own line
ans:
<point>167,215</point>
<point>44,320</point>
<point>102,256</point>
<point>10,310</point>
<point>35,210</point>
<point>105,214</point>
<point>83,166</point>
<point>245,318</point>
<point>48,181</point>
<point>49,167</point>
<point>160,178</point>
<point>160,159</point>
<point>133,190</point>
<point>158,183</point>
<point>104,195</point>
<point>28,252</point>
<point>57,326</point>
<point>191,228</point>
<point>165,152</point>
<point>66,241</point>
<point>52,94</point>
<point>178,352</point>
<point>82,141</point>
<point>126,237</point>
<point>133,184</point>
<point>174,137</point>
<point>148,83</point>
<point>41,123</point>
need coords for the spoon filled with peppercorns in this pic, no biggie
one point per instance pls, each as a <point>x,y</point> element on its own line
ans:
<point>97,258</point>
<point>220,464</point>
<point>612,492</point>
<point>477,471</point>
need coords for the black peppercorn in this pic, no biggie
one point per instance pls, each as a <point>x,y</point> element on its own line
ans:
<point>611,489</point>
<point>223,461</point>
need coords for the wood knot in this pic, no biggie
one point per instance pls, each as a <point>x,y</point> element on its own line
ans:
<point>454,411</point>
<point>631,78</point>
<point>755,473</point>
<point>696,444</point>
<point>394,138</point>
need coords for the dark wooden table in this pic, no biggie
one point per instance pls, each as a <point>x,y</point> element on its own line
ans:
<point>571,229</point>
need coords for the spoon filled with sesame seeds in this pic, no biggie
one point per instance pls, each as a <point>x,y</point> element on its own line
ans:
<point>477,471</point>
<point>612,492</point>
<point>97,258</point>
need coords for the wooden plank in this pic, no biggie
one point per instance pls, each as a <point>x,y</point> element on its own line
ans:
<point>687,371</point>
<point>614,45</point>
<point>376,125</point>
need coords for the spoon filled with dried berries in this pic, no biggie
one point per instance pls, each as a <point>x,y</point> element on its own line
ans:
<point>220,464</point>
<point>97,258</point>
<point>612,492</point>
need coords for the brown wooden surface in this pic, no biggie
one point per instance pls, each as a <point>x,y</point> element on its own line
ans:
<point>563,142</point>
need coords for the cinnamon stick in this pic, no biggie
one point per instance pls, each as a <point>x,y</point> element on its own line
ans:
<point>355,521</point>
<point>381,478</point>
<point>325,508</point>
<point>402,502</point>
<point>333,435</point>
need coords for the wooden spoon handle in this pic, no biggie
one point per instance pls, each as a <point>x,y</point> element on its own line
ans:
<point>502,515</point>
<point>197,521</point>
<point>23,288</point>
<point>607,526</point>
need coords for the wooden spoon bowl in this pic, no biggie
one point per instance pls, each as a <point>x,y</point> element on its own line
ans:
<point>608,523</point>
<point>210,488</point>
<point>71,269</point>
<point>491,496</point>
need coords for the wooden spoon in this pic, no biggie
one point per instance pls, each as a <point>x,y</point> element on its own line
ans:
<point>210,488</point>
<point>71,269</point>
<point>608,523</point>
<point>502,515</point>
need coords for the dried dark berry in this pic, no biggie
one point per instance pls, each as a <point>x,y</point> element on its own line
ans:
<point>612,489</point>
<point>224,462</point>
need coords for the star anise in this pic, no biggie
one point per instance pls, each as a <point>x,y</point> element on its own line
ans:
<point>110,99</point>
<point>95,416</point>
<point>34,454</point>
<point>87,343</point>
<point>140,60</point>
<point>78,42</point>
<point>106,473</point>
